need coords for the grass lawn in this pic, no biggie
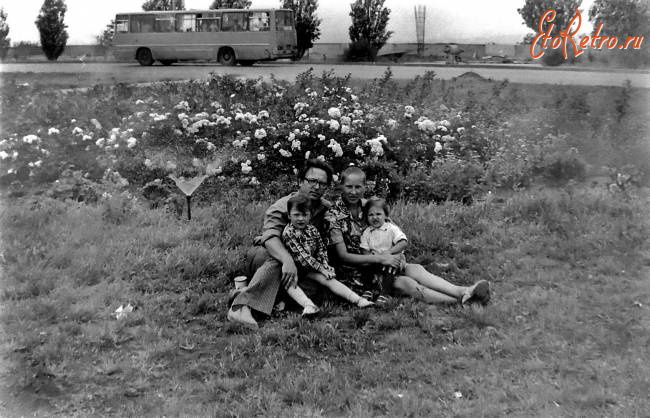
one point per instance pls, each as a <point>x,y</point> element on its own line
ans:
<point>565,335</point>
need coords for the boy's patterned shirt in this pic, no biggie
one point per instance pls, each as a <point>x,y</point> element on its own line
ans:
<point>306,247</point>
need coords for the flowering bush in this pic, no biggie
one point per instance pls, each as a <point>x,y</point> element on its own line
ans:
<point>244,132</point>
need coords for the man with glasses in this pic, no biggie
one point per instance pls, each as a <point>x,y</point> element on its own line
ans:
<point>268,261</point>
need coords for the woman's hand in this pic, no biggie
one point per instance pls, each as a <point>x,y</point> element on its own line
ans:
<point>289,276</point>
<point>391,260</point>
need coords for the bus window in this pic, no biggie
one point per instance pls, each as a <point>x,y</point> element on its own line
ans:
<point>164,23</point>
<point>258,21</point>
<point>283,20</point>
<point>210,22</point>
<point>185,22</point>
<point>142,23</point>
<point>122,23</point>
<point>234,22</point>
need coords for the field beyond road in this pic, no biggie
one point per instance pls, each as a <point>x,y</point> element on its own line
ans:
<point>540,189</point>
<point>85,74</point>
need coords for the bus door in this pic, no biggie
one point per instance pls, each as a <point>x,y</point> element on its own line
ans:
<point>285,32</point>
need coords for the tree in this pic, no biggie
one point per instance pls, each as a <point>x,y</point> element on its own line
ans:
<point>106,37</point>
<point>534,9</point>
<point>153,5</point>
<point>307,23</point>
<point>230,4</point>
<point>52,29</point>
<point>621,18</point>
<point>5,41</point>
<point>369,22</point>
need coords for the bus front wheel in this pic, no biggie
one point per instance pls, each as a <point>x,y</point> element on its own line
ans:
<point>144,57</point>
<point>227,57</point>
<point>246,63</point>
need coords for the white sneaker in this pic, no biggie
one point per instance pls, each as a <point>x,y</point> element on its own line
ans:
<point>364,303</point>
<point>242,316</point>
<point>310,310</point>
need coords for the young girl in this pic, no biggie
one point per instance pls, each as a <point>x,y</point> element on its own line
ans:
<point>382,237</point>
<point>308,250</point>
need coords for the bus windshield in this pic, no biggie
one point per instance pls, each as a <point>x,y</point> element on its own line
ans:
<point>284,20</point>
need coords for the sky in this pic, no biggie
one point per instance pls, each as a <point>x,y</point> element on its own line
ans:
<point>467,21</point>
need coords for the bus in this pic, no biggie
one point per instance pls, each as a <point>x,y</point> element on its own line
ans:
<point>229,36</point>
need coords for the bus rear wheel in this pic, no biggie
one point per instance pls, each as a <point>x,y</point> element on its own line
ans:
<point>246,63</point>
<point>167,62</point>
<point>144,57</point>
<point>227,56</point>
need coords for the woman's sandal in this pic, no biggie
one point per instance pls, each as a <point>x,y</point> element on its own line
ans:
<point>381,300</point>
<point>367,295</point>
<point>478,292</point>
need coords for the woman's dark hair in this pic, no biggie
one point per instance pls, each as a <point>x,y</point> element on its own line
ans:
<point>300,202</point>
<point>352,170</point>
<point>375,202</point>
<point>316,163</point>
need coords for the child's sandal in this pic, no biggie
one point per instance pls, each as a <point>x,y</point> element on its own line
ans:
<point>367,295</point>
<point>381,300</point>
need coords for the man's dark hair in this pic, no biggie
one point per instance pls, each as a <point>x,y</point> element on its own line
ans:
<point>316,163</point>
<point>375,202</point>
<point>300,202</point>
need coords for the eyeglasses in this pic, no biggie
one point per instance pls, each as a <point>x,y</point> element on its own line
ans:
<point>316,182</point>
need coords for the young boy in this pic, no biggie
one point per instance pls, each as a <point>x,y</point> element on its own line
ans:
<point>308,250</point>
<point>381,237</point>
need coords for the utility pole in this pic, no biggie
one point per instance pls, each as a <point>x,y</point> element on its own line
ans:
<point>420,19</point>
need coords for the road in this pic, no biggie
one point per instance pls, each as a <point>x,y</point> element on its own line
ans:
<point>128,72</point>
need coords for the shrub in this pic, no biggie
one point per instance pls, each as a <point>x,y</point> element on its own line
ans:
<point>360,50</point>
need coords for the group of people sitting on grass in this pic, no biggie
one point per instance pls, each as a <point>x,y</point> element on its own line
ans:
<point>350,247</point>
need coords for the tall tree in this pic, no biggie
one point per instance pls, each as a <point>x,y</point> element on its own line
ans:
<point>534,9</point>
<point>106,37</point>
<point>621,18</point>
<point>52,29</point>
<point>307,23</point>
<point>231,4</point>
<point>5,41</point>
<point>369,22</point>
<point>153,5</point>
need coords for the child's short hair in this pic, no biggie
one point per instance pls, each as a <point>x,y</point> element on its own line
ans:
<point>300,202</point>
<point>375,202</point>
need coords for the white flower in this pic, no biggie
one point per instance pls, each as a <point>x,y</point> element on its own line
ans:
<point>14,155</point>
<point>321,157</point>
<point>246,167</point>
<point>138,102</point>
<point>321,137</point>
<point>359,151</point>
<point>53,131</point>
<point>182,116</point>
<point>131,142</point>
<point>196,162</point>
<point>443,129</point>
<point>354,98</point>
<point>31,139</point>
<point>38,163</point>
<point>262,114</point>
<point>86,137</point>
<point>183,105</point>
<point>334,112</point>
<point>376,147</point>
<point>285,153</point>
<point>260,133</point>
<point>345,120</point>
<point>295,145</point>
<point>211,169</point>
<point>460,130</point>
<point>96,123</point>
<point>261,157</point>
<point>292,135</point>
<point>148,163</point>
<point>409,109</point>
<point>345,129</point>
<point>335,147</point>
<point>276,145</point>
<point>100,142</point>
<point>3,155</point>
<point>391,123</point>
<point>437,147</point>
<point>307,154</point>
<point>445,123</point>
<point>335,178</point>
<point>170,166</point>
<point>216,105</point>
<point>211,146</point>
<point>254,181</point>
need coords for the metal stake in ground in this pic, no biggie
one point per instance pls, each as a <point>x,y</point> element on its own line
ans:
<point>188,186</point>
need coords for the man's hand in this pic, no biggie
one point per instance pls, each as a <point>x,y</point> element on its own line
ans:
<point>328,273</point>
<point>289,276</point>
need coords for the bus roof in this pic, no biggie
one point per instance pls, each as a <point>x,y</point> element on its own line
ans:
<point>203,11</point>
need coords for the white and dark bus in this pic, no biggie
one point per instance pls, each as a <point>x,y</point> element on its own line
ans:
<point>229,36</point>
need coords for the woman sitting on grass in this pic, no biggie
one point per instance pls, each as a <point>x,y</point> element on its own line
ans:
<point>346,223</point>
<point>310,255</point>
